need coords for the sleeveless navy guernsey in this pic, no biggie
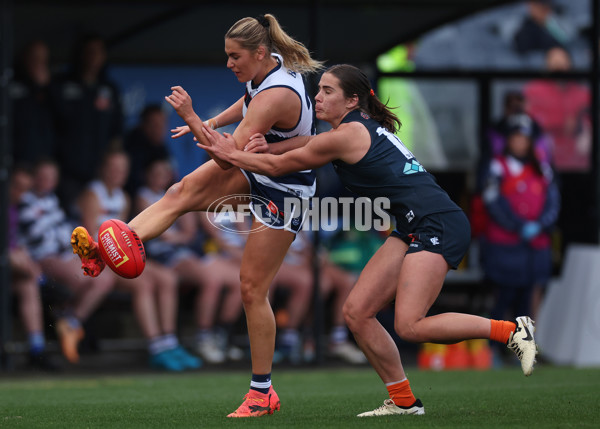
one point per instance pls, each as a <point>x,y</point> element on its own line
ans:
<point>390,170</point>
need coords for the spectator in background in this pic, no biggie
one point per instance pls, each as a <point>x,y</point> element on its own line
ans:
<point>541,29</point>
<point>144,144</point>
<point>90,119</point>
<point>25,276</point>
<point>513,114</point>
<point>523,202</point>
<point>44,231</point>
<point>562,108</point>
<point>514,104</point>
<point>154,292</point>
<point>215,277</point>
<point>34,131</point>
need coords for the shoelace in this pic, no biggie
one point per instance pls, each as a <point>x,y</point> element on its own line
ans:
<point>515,348</point>
<point>386,404</point>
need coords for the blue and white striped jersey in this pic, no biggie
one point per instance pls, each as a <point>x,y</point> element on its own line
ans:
<point>301,184</point>
<point>43,226</point>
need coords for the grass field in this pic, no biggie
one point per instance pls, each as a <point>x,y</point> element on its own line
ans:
<point>551,397</point>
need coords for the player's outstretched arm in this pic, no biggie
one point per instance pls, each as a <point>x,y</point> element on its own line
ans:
<point>258,144</point>
<point>349,142</point>
<point>229,116</point>
<point>182,103</point>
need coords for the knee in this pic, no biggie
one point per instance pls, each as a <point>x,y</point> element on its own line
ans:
<point>406,331</point>
<point>251,293</point>
<point>176,196</point>
<point>353,315</point>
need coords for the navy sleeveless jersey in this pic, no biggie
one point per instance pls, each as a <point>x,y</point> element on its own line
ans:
<point>390,170</point>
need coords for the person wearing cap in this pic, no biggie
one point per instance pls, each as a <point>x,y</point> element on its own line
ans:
<point>522,201</point>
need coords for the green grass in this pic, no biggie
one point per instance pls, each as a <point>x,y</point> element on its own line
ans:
<point>551,397</point>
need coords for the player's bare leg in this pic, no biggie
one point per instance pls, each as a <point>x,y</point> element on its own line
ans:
<point>195,192</point>
<point>263,255</point>
<point>256,275</point>
<point>376,288</point>
<point>421,280</point>
<point>420,283</point>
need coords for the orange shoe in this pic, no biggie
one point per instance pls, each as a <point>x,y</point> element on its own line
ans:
<point>69,337</point>
<point>87,250</point>
<point>258,404</point>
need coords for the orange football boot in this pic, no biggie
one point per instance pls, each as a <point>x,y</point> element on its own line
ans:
<point>69,337</point>
<point>87,250</point>
<point>258,404</point>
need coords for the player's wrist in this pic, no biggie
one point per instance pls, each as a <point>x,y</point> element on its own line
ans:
<point>192,119</point>
<point>213,123</point>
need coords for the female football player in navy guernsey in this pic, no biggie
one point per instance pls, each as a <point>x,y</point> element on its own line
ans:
<point>431,236</point>
<point>276,104</point>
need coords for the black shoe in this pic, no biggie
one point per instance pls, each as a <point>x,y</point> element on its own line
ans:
<point>43,362</point>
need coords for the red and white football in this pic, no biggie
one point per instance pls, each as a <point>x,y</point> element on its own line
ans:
<point>121,248</point>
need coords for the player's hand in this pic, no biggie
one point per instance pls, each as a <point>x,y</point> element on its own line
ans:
<point>180,131</point>
<point>220,145</point>
<point>257,144</point>
<point>530,230</point>
<point>181,102</point>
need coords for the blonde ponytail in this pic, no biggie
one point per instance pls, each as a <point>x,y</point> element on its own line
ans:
<point>266,31</point>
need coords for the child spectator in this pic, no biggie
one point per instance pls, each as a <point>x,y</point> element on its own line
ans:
<point>154,292</point>
<point>215,277</point>
<point>144,144</point>
<point>25,277</point>
<point>45,232</point>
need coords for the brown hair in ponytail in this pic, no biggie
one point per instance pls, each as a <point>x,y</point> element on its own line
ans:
<point>354,82</point>
<point>266,31</point>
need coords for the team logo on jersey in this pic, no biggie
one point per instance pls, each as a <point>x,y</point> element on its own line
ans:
<point>435,241</point>
<point>272,207</point>
<point>413,167</point>
<point>410,216</point>
<point>364,115</point>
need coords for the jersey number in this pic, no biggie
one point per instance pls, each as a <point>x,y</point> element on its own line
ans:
<point>396,142</point>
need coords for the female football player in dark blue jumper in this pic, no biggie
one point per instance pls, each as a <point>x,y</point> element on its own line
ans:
<point>431,237</point>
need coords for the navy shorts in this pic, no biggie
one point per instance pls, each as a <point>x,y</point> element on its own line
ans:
<point>447,233</point>
<point>276,209</point>
<point>271,214</point>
